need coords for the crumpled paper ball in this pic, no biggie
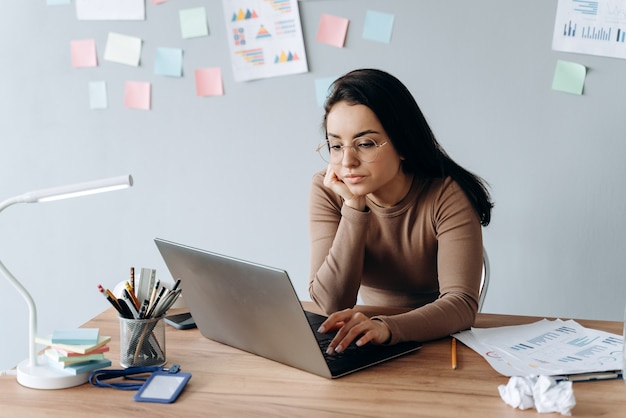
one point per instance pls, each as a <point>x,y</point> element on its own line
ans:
<point>540,392</point>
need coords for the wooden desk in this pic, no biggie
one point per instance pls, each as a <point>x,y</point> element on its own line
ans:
<point>229,382</point>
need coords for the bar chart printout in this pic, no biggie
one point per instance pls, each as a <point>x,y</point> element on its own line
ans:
<point>591,27</point>
<point>546,347</point>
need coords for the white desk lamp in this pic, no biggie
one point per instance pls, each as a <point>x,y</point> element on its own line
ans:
<point>35,372</point>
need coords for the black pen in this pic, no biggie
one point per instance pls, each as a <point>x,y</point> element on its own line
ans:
<point>126,311</point>
<point>130,303</point>
<point>156,302</point>
<point>142,311</point>
<point>588,377</point>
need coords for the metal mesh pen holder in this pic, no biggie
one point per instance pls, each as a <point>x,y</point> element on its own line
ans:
<point>142,342</point>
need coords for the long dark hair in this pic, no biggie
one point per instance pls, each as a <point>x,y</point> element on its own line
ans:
<point>408,131</point>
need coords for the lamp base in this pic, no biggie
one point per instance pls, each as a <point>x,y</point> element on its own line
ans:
<point>44,376</point>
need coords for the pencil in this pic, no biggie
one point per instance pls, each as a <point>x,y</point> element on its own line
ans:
<point>453,353</point>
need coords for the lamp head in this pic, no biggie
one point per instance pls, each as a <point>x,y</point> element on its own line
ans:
<point>79,189</point>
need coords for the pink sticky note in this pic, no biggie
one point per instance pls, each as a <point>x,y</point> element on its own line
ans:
<point>158,1</point>
<point>137,95</point>
<point>332,30</point>
<point>209,82</point>
<point>84,53</point>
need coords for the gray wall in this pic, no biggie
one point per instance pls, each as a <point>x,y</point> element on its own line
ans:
<point>232,173</point>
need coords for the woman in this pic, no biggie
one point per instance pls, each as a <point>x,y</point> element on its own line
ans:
<point>392,219</point>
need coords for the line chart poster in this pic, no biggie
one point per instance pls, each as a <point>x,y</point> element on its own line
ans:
<point>265,38</point>
<point>591,27</point>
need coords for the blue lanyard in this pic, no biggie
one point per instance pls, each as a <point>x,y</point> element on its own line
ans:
<point>138,376</point>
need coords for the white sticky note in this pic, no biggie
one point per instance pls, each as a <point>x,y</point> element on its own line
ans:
<point>110,9</point>
<point>123,49</point>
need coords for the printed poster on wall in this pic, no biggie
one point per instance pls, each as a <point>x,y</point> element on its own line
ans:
<point>591,27</point>
<point>265,38</point>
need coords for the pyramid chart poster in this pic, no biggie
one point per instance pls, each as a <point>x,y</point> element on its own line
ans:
<point>265,38</point>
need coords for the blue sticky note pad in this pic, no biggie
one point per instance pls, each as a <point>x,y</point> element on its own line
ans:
<point>322,89</point>
<point>378,26</point>
<point>78,336</point>
<point>169,62</point>
<point>162,387</point>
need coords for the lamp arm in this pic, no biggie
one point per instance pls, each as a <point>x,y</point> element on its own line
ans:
<point>32,327</point>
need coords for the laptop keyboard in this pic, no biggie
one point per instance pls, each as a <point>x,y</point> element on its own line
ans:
<point>354,358</point>
<point>323,340</point>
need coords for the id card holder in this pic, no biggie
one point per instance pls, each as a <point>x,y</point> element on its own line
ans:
<point>162,387</point>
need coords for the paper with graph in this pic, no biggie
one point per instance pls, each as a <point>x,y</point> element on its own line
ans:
<point>264,38</point>
<point>546,347</point>
<point>595,27</point>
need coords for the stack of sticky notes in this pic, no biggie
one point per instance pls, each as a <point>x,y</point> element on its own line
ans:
<point>77,350</point>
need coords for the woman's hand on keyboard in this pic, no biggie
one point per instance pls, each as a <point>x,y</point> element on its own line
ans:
<point>353,326</point>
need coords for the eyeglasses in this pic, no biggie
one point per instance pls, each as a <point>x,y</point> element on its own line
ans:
<point>364,148</point>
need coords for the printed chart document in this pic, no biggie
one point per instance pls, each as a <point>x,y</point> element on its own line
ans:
<point>546,347</point>
<point>265,38</point>
<point>591,27</point>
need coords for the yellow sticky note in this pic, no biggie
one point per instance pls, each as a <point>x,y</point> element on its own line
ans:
<point>569,77</point>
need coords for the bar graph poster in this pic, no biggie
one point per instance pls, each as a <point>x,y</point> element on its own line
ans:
<point>591,27</point>
<point>265,38</point>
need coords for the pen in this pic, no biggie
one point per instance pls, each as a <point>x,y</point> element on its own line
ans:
<point>142,310</point>
<point>156,302</point>
<point>166,302</point>
<point>154,293</point>
<point>125,309</point>
<point>588,377</point>
<point>453,353</point>
<point>111,300</point>
<point>132,278</point>
<point>131,293</point>
<point>130,304</point>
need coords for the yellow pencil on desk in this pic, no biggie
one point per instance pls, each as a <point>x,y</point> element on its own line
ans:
<point>453,353</point>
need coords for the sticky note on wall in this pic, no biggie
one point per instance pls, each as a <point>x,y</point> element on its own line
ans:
<point>332,30</point>
<point>569,77</point>
<point>193,22</point>
<point>378,26</point>
<point>137,95</point>
<point>84,53</point>
<point>209,82</point>
<point>169,62</point>
<point>123,49</point>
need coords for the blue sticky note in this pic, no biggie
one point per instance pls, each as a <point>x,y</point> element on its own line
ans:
<point>84,367</point>
<point>76,336</point>
<point>322,89</point>
<point>98,95</point>
<point>169,62</point>
<point>57,2</point>
<point>378,26</point>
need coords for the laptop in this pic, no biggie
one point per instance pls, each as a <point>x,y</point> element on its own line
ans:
<point>255,308</point>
